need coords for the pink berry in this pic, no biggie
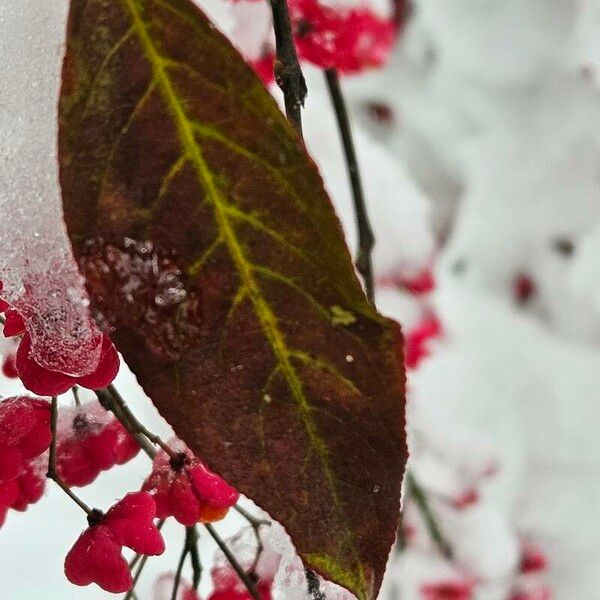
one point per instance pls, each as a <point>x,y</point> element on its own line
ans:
<point>447,590</point>
<point>418,338</point>
<point>107,368</point>
<point>347,40</point>
<point>189,492</point>
<point>13,323</point>
<point>533,560</point>
<point>24,433</point>
<point>131,521</point>
<point>91,441</point>
<point>42,381</point>
<point>96,558</point>
<point>9,492</point>
<point>9,367</point>
<point>31,484</point>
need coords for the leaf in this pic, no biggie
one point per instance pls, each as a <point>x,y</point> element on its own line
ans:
<point>208,243</point>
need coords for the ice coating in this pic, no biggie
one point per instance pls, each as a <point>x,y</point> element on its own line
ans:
<point>36,264</point>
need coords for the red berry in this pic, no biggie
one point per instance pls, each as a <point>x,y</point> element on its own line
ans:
<point>264,68</point>
<point>107,368</point>
<point>31,484</point>
<point>24,433</point>
<point>9,492</point>
<point>4,305</point>
<point>466,499</point>
<point>210,487</point>
<point>16,419</point>
<point>39,437</point>
<point>9,367</point>
<point>189,492</point>
<point>42,381</point>
<point>447,590</point>
<point>11,463</point>
<point>418,338</point>
<point>523,288</point>
<point>96,558</point>
<point>37,379</point>
<point>533,560</point>
<point>131,521</point>
<point>91,441</point>
<point>346,40</point>
<point>13,323</point>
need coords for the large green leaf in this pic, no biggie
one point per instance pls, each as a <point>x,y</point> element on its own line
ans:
<point>208,243</point>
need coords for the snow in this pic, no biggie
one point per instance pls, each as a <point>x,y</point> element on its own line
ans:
<point>36,264</point>
<point>486,164</point>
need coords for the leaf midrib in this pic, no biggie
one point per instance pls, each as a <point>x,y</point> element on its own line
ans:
<point>263,310</point>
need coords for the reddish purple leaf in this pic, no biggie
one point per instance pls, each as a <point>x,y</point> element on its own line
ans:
<point>209,244</point>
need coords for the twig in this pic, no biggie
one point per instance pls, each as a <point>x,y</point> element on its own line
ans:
<point>75,392</point>
<point>415,490</point>
<point>192,532</point>
<point>52,472</point>
<point>314,585</point>
<point>364,264</point>
<point>131,593</point>
<point>137,426</point>
<point>250,585</point>
<point>366,239</point>
<point>184,553</point>
<point>288,72</point>
<point>256,525</point>
<point>107,400</point>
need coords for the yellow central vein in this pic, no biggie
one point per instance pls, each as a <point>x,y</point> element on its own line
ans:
<point>262,308</point>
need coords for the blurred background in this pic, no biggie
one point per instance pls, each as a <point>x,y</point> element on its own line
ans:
<point>479,145</point>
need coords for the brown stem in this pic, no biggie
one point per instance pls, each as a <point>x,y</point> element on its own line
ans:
<point>250,585</point>
<point>107,400</point>
<point>137,426</point>
<point>288,72</point>
<point>366,239</point>
<point>52,472</point>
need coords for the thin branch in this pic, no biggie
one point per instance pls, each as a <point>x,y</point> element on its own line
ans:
<point>288,72</point>
<point>314,585</point>
<point>420,498</point>
<point>250,585</point>
<point>256,525</point>
<point>192,532</point>
<point>75,392</point>
<point>131,593</point>
<point>107,400</point>
<point>52,472</point>
<point>366,239</point>
<point>178,572</point>
<point>137,426</point>
<point>364,265</point>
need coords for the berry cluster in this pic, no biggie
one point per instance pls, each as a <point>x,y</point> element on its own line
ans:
<point>90,441</point>
<point>96,556</point>
<point>24,436</point>
<point>184,488</point>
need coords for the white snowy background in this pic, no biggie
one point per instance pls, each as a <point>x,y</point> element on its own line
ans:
<point>486,168</point>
